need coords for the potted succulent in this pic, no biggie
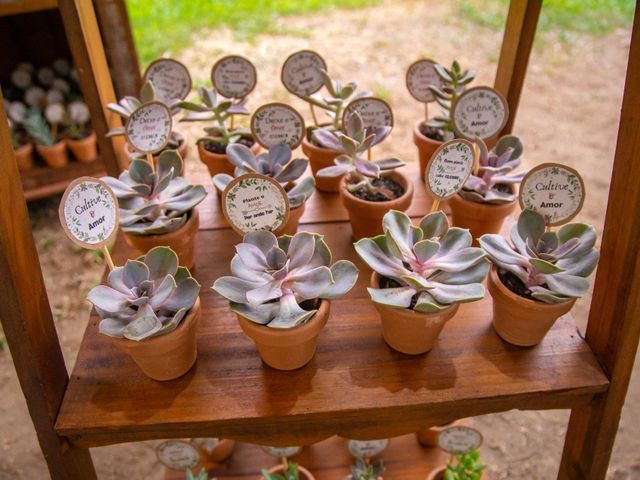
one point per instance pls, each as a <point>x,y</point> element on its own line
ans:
<point>287,471</point>
<point>368,189</point>
<point>428,436</point>
<point>366,471</point>
<point>157,207</point>
<point>44,133</point>
<point>537,277</point>
<point>460,467</point>
<point>280,290</point>
<point>429,135</point>
<point>275,163</point>
<point>489,195</point>
<point>150,309</point>
<point>201,475</point>
<point>22,148</point>
<point>212,148</point>
<point>80,139</point>
<point>321,154</point>
<point>420,277</point>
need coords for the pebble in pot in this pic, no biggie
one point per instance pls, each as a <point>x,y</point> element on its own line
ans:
<point>280,290</point>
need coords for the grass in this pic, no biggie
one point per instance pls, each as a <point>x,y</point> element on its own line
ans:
<point>166,26</point>
<point>582,16</point>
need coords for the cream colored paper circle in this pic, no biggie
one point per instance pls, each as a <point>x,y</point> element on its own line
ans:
<point>178,455</point>
<point>375,112</point>
<point>300,73</point>
<point>282,451</point>
<point>234,76</point>
<point>420,75</point>
<point>276,124</point>
<point>479,112</point>
<point>449,168</point>
<point>367,448</point>
<point>459,440</point>
<point>170,78</point>
<point>148,127</point>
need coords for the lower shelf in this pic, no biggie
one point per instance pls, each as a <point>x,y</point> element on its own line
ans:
<point>40,182</point>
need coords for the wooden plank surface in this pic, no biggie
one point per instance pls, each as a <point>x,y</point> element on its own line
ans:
<point>15,7</point>
<point>353,379</point>
<point>40,182</point>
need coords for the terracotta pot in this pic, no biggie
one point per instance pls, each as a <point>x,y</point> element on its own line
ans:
<point>408,331</point>
<point>320,158</point>
<point>426,147</point>
<point>291,348</point>
<point>304,473</point>
<point>291,227</point>
<point>55,156</point>
<point>428,436</point>
<point>215,452</point>
<point>219,163</point>
<point>85,149</point>
<point>436,474</point>
<point>169,356</point>
<point>365,216</point>
<point>181,241</point>
<point>518,320</point>
<point>479,218</point>
<point>24,157</point>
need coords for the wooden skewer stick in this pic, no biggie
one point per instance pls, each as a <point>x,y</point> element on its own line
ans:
<point>107,256</point>
<point>435,206</point>
<point>232,122</point>
<point>150,161</point>
<point>369,154</point>
<point>313,114</point>
<point>426,111</point>
<point>476,158</point>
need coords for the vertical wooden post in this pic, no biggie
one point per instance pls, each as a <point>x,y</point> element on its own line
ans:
<point>519,33</point>
<point>614,321</point>
<point>81,26</point>
<point>28,323</point>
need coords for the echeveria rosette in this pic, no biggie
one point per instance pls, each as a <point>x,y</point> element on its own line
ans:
<point>155,202</point>
<point>272,276</point>
<point>433,262</point>
<point>146,297</point>
<point>495,167</point>
<point>552,265</point>
<point>276,163</point>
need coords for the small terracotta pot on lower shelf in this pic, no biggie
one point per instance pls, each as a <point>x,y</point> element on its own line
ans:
<point>287,348</point>
<point>408,331</point>
<point>320,158</point>
<point>168,356</point>
<point>24,157</point>
<point>426,147</point>
<point>365,216</point>
<point>518,320</point>
<point>304,473</point>
<point>181,241</point>
<point>85,149</point>
<point>213,450</point>
<point>219,162</point>
<point>55,155</point>
<point>428,436</point>
<point>479,218</point>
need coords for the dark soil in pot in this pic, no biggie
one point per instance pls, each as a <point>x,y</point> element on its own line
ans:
<point>221,148</point>
<point>382,182</point>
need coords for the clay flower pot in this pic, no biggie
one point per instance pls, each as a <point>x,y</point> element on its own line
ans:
<point>320,158</point>
<point>408,331</point>
<point>365,216</point>
<point>218,162</point>
<point>24,157</point>
<point>479,218</point>
<point>436,474</point>
<point>291,227</point>
<point>518,320</point>
<point>426,147</point>
<point>181,241</point>
<point>84,150</point>
<point>287,348</point>
<point>55,156</point>
<point>428,436</point>
<point>213,450</point>
<point>304,473</point>
<point>168,356</point>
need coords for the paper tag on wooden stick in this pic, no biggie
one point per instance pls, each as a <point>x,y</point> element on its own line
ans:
<point>479,112</point>
<point>421,75</point>
<point>276,124</point>
<point>375,112</point>
<point>555,191</point>
<point>253,202</point>
<point>301,73</point>
<point>367,448</point>
<point>148,128</point>
<point>178,455</point>
<point>449,168</point>
<point>281,452</point>
<point>459,440</point>
<point>89,213</point>
<point>234,76</point>
<point>170,78</point>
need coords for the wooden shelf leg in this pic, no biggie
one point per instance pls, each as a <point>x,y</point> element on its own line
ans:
<point>614,320</point>
<point>28,323</point>
<point>519,33</point>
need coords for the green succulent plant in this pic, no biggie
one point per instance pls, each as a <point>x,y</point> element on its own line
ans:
<point>201,475</point>
<point>276,163</point>
<point>155,202</point>
<point>38,128</point>
<point>291,473</point>
<point>552,266</point>
<point>77,119</point>
<point>366,471</point>
<point>272,276</point>
<point>433,265</point>
<point>146,297</point>
<point>465,467</point>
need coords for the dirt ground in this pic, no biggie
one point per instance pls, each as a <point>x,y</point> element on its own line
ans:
<point>569,114</point>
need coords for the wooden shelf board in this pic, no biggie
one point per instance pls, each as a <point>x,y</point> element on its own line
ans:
<point>356,386</point>
<point>14,7</point>
<point>40,182</point>
<point>404,459</point>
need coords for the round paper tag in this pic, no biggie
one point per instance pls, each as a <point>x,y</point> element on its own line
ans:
<point>479,112</point>
<point>459,440</point>
<point>553,190</point>
<point>301,73</point>
<point>148,127</point>
<point>170,79</point>
<point>449,168</point>
<point>367,448</point>
<point>420,75</point>
<point>275,124</point>
<point>234,76</point>
<point>282,451</point>
<point>253,202</point>
<point>178,455</point>
<point>375,112</point>
<point>206,444</point>
<point>89,213</point>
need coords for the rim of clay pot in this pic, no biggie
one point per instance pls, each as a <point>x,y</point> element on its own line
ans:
<point>73,141</point>
<point>436,474</point>
<point>418,134</point>
<point>255,148</point>
<point>193,217</point>
<point>398,177</point>
<point>24,149</point>
<point>493,206</point>
<point>59,145</point>
<point>312,146</point>
<point>301,469</point>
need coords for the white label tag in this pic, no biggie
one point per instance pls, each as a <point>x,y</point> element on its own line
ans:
<point>170,79</point>
<point>367,448</point>
<point>459,440</point>
<point>421,75</point>
<point>375,112</point>
<point>148,127</point>
<point>479,112</point>
<point>449,168</point>
<point>276,124</point>
<point>234,76</point>
<point>301,73</point>
<point>282,451</point>
<point>178,455</point>
<point>206,444</point>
